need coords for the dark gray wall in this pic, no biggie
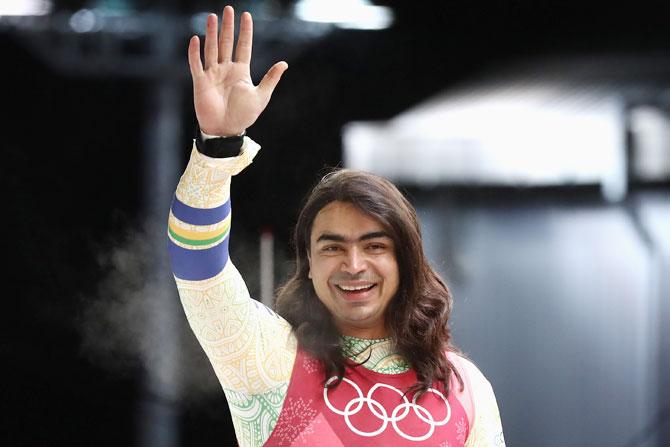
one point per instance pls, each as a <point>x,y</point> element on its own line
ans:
<point>559,305</point>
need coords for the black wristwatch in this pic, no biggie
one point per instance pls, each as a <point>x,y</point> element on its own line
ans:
<point>219,147</point>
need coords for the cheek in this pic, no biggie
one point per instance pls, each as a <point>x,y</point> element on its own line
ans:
<point>392,272</point>
<point>318,272</point>
<point>390,266</point>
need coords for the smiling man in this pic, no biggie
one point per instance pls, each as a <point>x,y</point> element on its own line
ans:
<point>359,352</point>
<point>353,268</point>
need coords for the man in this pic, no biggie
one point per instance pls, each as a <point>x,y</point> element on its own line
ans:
<point>359,353</point>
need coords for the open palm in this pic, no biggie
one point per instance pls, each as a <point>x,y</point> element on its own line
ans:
<point>226,100</point>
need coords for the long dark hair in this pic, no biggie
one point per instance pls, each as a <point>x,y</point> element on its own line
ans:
<point>416,317</point>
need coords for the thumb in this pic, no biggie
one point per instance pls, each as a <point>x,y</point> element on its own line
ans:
<point>271,79</point>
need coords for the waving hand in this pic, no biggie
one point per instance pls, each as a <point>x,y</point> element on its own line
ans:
<point>226,100</point>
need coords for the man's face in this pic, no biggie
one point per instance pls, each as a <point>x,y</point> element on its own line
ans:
<point>353,268</point>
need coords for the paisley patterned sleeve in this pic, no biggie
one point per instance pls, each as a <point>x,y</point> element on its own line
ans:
<point>486,429</point>
<point>250,347</point>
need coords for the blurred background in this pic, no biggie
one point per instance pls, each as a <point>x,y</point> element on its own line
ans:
<point>533,138</point>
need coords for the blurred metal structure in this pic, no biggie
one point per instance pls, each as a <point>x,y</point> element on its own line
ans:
<point>130,44</point>
<point>592,120</point>
<point>266,262</point>
<point>114,39</point>
<point>111,39</point>
<point>561,296</point>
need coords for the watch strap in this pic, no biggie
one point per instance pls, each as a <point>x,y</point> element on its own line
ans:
<point>218,147</point>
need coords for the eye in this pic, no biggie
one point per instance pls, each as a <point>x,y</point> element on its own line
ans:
<point>376,246</point>
<point>330,249</point>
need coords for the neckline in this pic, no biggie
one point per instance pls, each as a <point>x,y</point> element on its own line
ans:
<point>375,355</point>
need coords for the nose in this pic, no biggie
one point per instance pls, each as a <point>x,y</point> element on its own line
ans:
<point>354,262</point>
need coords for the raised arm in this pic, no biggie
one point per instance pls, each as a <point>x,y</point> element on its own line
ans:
<point>250,347</point>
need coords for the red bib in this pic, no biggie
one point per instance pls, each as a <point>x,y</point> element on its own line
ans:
<point>366,409</point>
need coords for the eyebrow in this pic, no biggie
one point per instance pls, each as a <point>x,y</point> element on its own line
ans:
<point>339,238</point>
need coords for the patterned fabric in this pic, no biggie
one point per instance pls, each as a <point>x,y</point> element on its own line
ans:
<point>253,350</point>
<point>377,355</point>
<point>250,347</point>
<point>366,409</point>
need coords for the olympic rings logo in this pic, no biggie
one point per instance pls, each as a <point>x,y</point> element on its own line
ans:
<point>399,413</point>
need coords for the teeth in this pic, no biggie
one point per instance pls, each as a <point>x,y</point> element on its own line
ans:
<point>353,288</point>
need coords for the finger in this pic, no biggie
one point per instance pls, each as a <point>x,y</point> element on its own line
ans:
<point>194,61</point>
<point>244,40</point>
<point>271,79</point>
<point>211,46</point>
<point>227,36</point>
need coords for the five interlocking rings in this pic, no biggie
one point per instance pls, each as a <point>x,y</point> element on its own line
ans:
<point>380,412</point>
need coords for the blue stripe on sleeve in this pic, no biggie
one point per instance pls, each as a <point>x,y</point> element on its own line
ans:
<point>199,216</point>
<point>197,265</point>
